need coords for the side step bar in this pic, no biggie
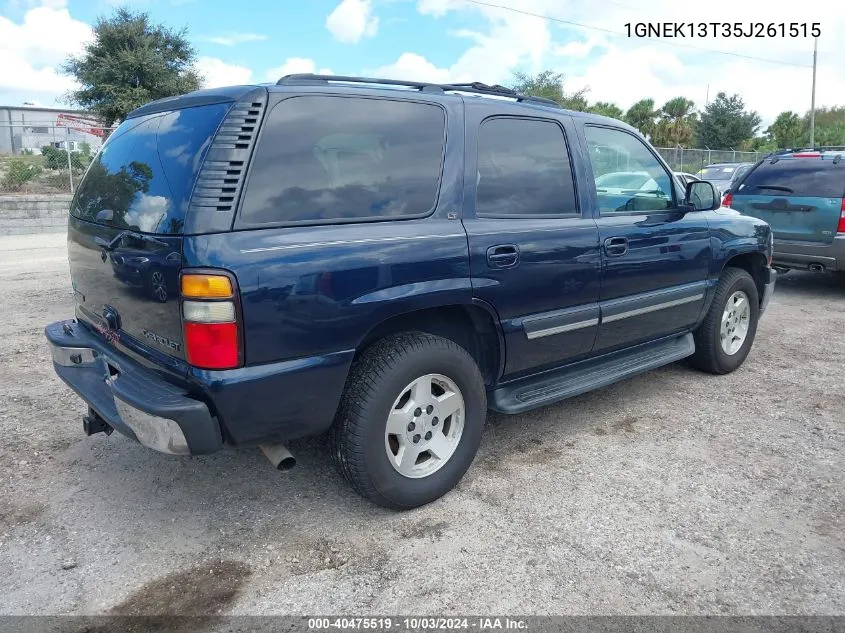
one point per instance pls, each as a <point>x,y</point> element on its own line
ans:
<point>593,373</point>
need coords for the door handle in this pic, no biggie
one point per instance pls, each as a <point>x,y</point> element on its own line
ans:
<point>503,256</point>
<point>616,246</point>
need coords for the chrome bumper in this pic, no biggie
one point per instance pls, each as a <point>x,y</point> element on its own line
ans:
<point>130,398</point>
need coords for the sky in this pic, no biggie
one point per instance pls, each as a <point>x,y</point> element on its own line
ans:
<point>256,41</point>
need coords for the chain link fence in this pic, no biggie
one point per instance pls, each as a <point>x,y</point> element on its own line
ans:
<point>51,158</point>
<point>691,160</point>
<point>46,158</point>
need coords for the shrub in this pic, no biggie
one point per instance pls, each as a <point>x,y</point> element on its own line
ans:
<point>19,173</point>
<point>55,158</point>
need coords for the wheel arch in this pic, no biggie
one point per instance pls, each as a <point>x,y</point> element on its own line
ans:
<point>754,263</point>
<point>475,327</point>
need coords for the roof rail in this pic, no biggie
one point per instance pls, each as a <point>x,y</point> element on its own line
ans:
<point>822,148</point>
<point>472,88</point>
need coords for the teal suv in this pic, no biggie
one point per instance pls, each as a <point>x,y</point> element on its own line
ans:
<point>801,195</point>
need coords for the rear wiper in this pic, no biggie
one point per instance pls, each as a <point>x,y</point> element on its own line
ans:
<point>776,188</point>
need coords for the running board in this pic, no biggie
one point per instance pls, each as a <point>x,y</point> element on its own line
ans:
<point>593,373</point>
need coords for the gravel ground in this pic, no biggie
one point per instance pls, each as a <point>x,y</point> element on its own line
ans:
<point>671,493</point>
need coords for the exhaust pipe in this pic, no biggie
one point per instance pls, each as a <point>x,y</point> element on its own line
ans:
<point>817,268</point>
<point>279,456</point>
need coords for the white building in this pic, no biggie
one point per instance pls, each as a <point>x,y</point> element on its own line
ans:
<point>30,128</point>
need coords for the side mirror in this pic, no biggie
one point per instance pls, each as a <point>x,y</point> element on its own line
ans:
<point>702,196</point>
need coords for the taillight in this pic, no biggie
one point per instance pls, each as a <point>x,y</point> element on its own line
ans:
<point>727,200</point>
<point>210,321</point>
<point>807,155</point>
<point>841,227</point>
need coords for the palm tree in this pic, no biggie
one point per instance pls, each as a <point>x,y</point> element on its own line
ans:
<point>679,119</point>
<point>641,115</point>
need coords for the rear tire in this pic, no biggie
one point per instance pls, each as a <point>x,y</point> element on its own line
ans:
<point>410,420</point>
<point>157,285</point>
<point>724,338</point>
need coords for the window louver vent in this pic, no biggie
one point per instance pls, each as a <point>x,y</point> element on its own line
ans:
<point>222,174</point>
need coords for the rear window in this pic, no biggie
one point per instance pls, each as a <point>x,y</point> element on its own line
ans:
<point>800,177</point>
<point>142,178</point>
<point>721,172</point>
<point>336,159</point>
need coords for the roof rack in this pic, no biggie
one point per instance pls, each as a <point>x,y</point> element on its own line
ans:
<point>472,88</point>
<point>775,156</point>
<point>795,150</point>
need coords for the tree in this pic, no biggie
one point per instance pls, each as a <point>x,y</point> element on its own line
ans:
<point>130,62</point>
<point>786,130</point>
<point>830,127</point>
<point>725,123</point>
<point>606,108</point>
<point>641,115</point>
<point>549,85</point>
<point>677,122</point>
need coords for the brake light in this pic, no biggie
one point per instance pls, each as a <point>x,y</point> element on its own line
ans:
<point>212,345</point>
<point>210,321</point>
<point>807,155</point>
<point>841,227</point>
<point>727,200</point>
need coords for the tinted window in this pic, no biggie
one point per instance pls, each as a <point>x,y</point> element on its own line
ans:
<point>628,176</point>
<point>336,158</point>
<point>810,177</point>
<point>523,169</point>
<point>740,172</point>
<point>142,178</point>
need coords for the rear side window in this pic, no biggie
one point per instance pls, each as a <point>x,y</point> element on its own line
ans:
<point>523,170</point>
<point>142,178</point>
<point>334,159</point>
<point>801,177</point>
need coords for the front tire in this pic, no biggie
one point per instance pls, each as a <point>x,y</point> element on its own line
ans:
<point>724,338</point>
<point>410,420</point>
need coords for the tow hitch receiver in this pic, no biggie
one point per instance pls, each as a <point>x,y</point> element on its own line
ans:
<point>93,423</point>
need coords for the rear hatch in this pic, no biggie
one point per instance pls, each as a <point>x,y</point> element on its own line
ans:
<point>125,230</point>
<point>800,197</point>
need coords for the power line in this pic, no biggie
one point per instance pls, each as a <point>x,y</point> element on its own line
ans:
<point>619,33</point>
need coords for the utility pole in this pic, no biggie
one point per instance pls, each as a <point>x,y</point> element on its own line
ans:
<point>813,97</point>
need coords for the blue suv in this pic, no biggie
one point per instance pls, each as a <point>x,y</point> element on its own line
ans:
<point>383,261</point>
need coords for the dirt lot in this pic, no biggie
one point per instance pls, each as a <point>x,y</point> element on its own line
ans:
<point>675,492</point>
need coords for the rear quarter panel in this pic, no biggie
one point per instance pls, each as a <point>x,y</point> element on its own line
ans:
<point>310,295</point>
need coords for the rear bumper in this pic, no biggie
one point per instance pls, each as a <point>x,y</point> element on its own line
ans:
<point>769,280</point>
<point>132,399</point>
<point>804,254</point>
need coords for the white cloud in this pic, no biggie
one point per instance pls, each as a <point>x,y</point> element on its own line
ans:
<point>352,20</point>
<point>218,73</point>
<point>147,212</point>
<point>414,67</point>
<point>31,51</point>
<point>513,40</point>
<point>624,70</point>
<point>295,65</point>
<point>231,39</point>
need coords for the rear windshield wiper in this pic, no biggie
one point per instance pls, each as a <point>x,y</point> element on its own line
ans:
<point>776,188</point>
